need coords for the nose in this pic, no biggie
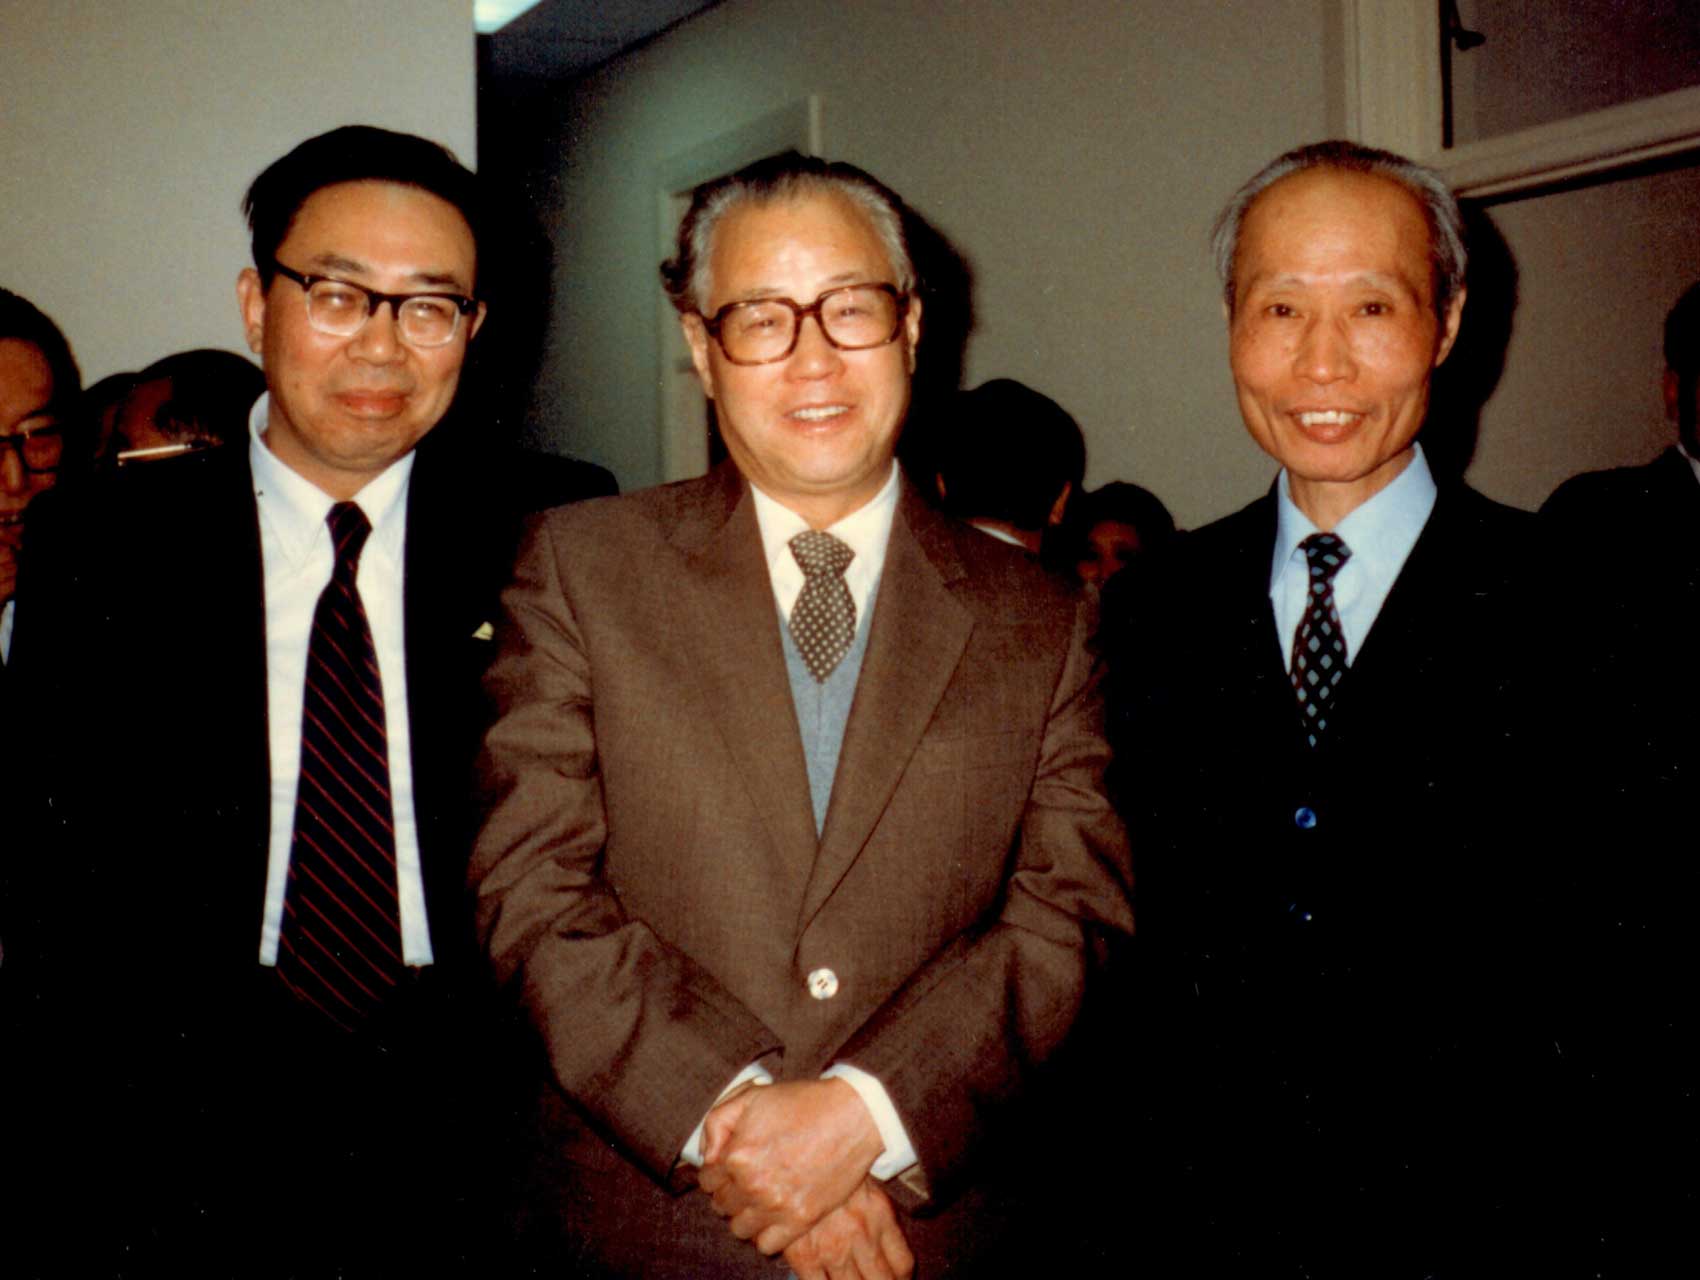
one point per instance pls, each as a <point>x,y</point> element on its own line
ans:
<point>377,342</point>
<point>13,477</point>
<point>813,356</point>
<point>1325,353</point>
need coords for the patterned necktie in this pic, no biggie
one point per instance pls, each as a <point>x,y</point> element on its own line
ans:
<point>1319,644</point>
<point>339,948</point>
<point>823,621</point>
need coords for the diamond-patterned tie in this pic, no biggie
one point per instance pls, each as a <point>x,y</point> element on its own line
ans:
<point>823,621</point>
<point>1319,644</point>
<point>339,948</point>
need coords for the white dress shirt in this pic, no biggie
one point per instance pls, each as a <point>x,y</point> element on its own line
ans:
<point>866,531</point>
<point>1379,534</point>
<point>6,612</point>
<point>295,546</point>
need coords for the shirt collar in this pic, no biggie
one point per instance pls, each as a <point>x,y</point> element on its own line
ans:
<point>1380,533</point>
<point>865,531</point>
<point>1693,462</point>
<point>295,507</point>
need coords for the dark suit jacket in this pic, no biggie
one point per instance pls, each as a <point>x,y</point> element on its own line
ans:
<point>145,656</point>
<point>1330,966</point>
<point>1627,544</point>
<point>653,891</point>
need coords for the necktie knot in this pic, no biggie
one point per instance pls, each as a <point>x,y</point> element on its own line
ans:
<point>1326,554</point>
<point>819,553</point>
<point>349,530</point>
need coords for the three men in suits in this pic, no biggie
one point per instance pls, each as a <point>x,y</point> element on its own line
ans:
<point>1322,750</point>
<point>797,851</point>
<point>258,985</point>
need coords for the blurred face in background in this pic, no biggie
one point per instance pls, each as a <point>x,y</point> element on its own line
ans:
<point>30,445</point>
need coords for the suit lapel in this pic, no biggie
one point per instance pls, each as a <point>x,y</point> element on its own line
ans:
<point>918,635</point>
<point>232,582</point>
<point>728,624</point>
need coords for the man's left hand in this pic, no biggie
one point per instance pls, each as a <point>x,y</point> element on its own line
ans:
<point>778,1159</point>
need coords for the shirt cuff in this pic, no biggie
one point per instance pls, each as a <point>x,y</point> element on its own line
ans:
<point>755,1073</point>
<point>899,1151</point>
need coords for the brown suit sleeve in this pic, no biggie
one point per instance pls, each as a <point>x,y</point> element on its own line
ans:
<point>962,1038</point>
<point>640,1036</point>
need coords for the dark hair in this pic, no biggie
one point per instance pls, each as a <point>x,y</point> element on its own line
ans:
<point>211,393</point>
<point>1006,454</point>
<point>22,321</point>
<point>787,176</point>
<point>1127,504</point>
<point>1440,208</point>
<point>353,153</point>
<point>1682,333</point>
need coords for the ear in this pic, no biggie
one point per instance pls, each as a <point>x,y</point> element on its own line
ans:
<point>1673,395</point>
<point>912,329</point>
<point>1060,507</point>
<point>251,298</point>
<point>477,322</point>
<point>696,335</point>
<point>1449,326</point>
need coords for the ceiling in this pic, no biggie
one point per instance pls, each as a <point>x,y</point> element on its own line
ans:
<point>561,39</point>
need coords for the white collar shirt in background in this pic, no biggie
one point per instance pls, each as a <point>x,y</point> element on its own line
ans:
<point>295,545</point>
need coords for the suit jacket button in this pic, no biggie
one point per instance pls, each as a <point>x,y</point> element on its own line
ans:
<point>823,984</point>
<point>1304,818</point>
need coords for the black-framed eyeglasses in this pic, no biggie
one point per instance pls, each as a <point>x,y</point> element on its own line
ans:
<point>39,449</point>
<point>341,308</point>
<point>853,318</point>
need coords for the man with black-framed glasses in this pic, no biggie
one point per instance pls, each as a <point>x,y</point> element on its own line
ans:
<point>259,850</point>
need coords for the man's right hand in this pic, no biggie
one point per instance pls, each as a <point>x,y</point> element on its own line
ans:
<point>859,1240</point>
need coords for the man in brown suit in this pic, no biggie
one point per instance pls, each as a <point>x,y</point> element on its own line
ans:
<point>798,851</point>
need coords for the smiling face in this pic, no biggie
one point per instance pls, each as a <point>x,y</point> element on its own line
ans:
<point>1334,336</point>
<point>817,430</point>
<point>344,409</point>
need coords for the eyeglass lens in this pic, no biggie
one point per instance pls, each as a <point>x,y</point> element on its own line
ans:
<point>340,310</point>
<point>40,449</point>
<point>852,318</point>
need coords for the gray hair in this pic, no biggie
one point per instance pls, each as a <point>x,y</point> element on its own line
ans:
<point>789,176</point>
<point>1440,209</point>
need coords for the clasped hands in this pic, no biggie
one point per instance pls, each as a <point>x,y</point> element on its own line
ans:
<point>788,1165</point>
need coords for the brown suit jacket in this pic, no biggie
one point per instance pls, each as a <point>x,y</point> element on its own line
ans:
<point>650,882</point>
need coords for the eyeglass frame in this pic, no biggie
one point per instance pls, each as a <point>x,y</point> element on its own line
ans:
<point>18,439</point>
<point>374,299</point>
<point>713,324</point>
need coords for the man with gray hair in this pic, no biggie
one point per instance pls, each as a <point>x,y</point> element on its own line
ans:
<point>798,847</point>
<point>1321,749</point>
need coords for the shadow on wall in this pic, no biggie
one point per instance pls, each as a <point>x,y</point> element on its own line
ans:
<point>1465,383</point>
<point>947,321</point>
<point>515,277</point>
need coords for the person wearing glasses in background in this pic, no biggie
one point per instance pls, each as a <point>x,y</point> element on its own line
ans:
<point>257,993</point>
<point>798,846</point>
<point>39,385</point>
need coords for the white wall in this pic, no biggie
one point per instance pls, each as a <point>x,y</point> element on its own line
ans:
<point>1074,153</point>
<point>1598,268</point>
<point>129,130</point>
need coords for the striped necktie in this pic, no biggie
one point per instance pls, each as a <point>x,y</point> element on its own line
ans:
<point>339,948</point>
